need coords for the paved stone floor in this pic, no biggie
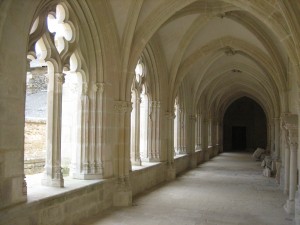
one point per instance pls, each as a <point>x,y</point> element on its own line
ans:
<point>229,189</point>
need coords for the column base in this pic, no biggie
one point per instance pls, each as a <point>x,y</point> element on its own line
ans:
<point>48,181</point>
<point>171,173</point>
<point>297,207</point>
<point>289,207</point>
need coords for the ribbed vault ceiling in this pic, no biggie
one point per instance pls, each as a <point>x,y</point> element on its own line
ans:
<point>217,50</point>
<point>224,52</point>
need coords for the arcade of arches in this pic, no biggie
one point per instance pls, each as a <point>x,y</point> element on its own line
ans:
<point>137,91</point>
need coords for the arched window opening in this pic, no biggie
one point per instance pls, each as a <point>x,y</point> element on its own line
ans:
<point>144,124</point>
<point>36,111</point>
<point>139,117</point>
<point>71,106</point>
<point>176,126</point>
<point>53,94</point>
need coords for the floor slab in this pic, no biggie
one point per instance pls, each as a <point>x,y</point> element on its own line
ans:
<point>229,189</point>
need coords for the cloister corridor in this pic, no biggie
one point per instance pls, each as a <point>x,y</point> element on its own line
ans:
<point>229,189</point>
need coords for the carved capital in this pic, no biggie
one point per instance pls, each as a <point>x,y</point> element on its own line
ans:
<point>84,88</point>
<point>155,104</point>
<point>170,115</point>
<point>122,106</point>
<point>98,87</point>
<point>59,78</point>
<point>293,139</point>
<point>193,117</point>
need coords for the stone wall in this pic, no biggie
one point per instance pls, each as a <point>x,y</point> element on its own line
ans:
<point>35,146</point>
<point>146,178</point>
<point>36,80</point>
<point>182,163</point>
<point>66,208</point>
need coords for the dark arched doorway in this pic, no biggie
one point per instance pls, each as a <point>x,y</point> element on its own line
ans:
<point>245,126</point>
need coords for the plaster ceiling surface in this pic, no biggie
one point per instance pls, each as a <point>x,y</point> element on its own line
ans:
<point>222,27</point>
<point>172,34</point>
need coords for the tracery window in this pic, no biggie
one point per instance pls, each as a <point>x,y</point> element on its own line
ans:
<point>139,116</point>
<point>52,46</point>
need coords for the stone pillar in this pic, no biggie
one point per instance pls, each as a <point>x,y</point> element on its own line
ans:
<point>277,139</point>
<point>98,163</point>
<point>135,132</point>
<point>182,132</point>
<point>276,156</point>
<point>286,165</point>
<point>53,171</point>
<point>123,194</point>
<point>193,156</point>
<point>154,133</point>
<point>171,170</point>
<point>297,196</point>
<point>198,132</point>
<point>204,138</point>
<point>291,124</point>
<point>220,134</point>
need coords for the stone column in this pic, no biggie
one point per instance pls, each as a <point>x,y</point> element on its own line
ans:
<point>98,163</point>
<point>53,171</point>
<point>220,138</point>
<point>191,145</point>
<point>154,132</point>
<point>291,124</point>
<point>85,164</point>
<point>135,132</point>
<point>171,170</point>
<point>182,132</point>
<point>80,162</point>
<point>198,132</point>
<point>204,138</point>
<point>277,138</point>
<point>123,194</point>
<point>276,156</point>
<point>297,196</point>
<point>286,164</point>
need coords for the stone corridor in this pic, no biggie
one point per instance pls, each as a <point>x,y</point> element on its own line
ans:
<point>229,189</point>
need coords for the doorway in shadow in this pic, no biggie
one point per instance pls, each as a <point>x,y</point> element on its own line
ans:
<point>239,140</point>
<point>244,126</point>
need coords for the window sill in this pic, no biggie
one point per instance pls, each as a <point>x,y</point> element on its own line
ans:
<point>36,191</point>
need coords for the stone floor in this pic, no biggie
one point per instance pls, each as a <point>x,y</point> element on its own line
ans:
<point>229,189</point>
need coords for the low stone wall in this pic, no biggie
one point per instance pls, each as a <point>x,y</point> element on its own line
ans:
<point>64,209</point>
<point>71,207</point>
<point>35,139</point>
<point>34,146</point>
<point>200,157</point>
<point>146,178</point>
<point>182,163</point>
<point>34,166</point>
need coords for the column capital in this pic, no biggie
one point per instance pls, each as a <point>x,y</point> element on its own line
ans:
<point>122,106</point>
<point>193,117</point>
<point>170,115</point>
<point>155,104</point>
<point>59,77</point>
<point>98,87</point>
<point>293,139</point>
